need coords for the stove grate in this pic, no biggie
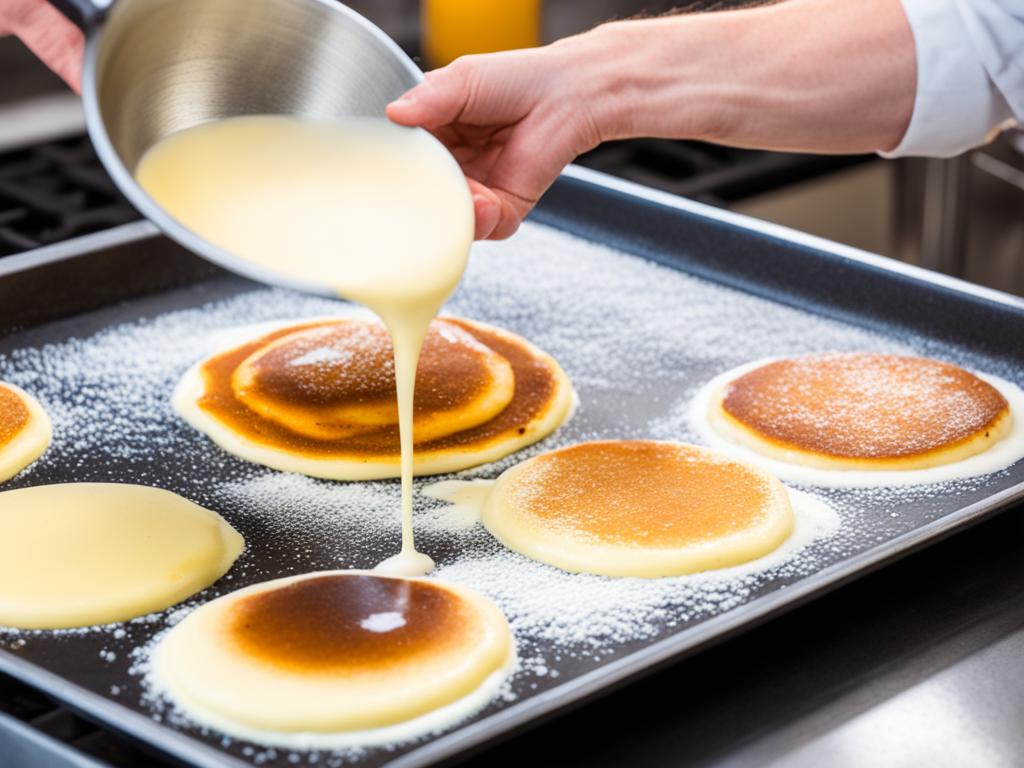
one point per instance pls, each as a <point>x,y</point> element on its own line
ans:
<point>710,173</point>
<point>53,192</point>
<point>36,732</point>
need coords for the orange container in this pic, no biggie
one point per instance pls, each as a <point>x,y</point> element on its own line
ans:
<point>453,28</point>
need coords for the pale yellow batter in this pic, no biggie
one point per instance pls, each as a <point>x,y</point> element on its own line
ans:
<point>337,652</point>
<point>25,430</point>
<point>380,213</point>
<point>79,554</point>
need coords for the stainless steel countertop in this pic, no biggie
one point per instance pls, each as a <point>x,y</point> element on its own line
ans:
<point>920,663</point>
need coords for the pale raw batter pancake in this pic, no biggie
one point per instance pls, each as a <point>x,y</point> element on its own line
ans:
<point>336,657</point>
<point>857,411</point>
<point>638,508</point>
<point>319,398</point>
<point>79,554</point>
<point>25,430</point>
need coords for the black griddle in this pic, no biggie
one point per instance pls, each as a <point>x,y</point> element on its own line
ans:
<point>54,293</point>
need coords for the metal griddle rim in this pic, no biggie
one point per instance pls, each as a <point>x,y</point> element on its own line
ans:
<point>794,236</point>
<point>604,679</point>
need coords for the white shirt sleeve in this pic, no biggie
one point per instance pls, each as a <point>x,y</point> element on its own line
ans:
<point>970,74</point>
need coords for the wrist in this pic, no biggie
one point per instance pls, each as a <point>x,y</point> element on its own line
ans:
<point>653,77</point>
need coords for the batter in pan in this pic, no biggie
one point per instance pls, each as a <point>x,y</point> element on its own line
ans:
<point>25,430</point>
<point>319,398</point>
<point>336,658</point>
<point>863,418</point>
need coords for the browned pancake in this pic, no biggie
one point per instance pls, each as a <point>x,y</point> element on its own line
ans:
<point>14,415</point>
<point>538,386</point>
<point>342,624</point>
<point>638,508</point>
<point>860,406</point>
<point>641,492</point>
<point>363,372</point>
<point>338,380</point>
<point>334,652</point>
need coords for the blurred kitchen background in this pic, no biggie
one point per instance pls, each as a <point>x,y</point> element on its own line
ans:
<point>963,216</point>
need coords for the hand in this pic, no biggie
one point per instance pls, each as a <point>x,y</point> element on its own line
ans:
<point>48,34</point>
<point>747,78</point>
<point>512,120</point>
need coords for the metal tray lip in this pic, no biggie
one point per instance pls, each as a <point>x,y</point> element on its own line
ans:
<point>111,713</point>
<point>123,234</point>
<point>187,748</point>
<point>795,236</point>
<point>57,749</point>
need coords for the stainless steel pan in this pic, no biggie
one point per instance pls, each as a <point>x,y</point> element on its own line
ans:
<point>153,67</point>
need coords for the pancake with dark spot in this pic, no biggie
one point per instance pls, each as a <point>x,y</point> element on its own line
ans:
<point>338,379</point>
<point>319,398</point>
<point>335,652</point>
<point>333,624</point>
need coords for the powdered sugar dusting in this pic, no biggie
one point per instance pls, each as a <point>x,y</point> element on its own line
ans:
<point>321,355</point>
<point>864,405</point>
<point>1006,451</point>
<point>638,340</point>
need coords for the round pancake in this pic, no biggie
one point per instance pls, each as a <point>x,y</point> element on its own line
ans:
<point>638,508</point>
<point>78,554</point>
<point>25,430</point>
<point>333,652</point>
<point>464,363</point>
<point>333,381</point>
<point>862,411</point>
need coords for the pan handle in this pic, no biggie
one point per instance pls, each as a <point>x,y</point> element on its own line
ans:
<point>84,14</point>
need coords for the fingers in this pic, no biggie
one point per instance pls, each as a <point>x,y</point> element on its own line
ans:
<point>507,120</point>
<point>437,101</point>
<point>513,211</point>
<point>486,206</point>
<point>492,89</point>
<point>51,37</point>
<point>498,213</point>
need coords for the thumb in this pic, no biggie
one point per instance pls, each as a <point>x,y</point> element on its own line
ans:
<point>439,100</point>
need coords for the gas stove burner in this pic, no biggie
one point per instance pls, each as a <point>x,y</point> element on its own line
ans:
<point>54,192</point>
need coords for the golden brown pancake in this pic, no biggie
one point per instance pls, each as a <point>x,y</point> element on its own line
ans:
<point>318,398</point>
<point>862,411</point>
<point>336,651</point>
<point>338,380</point>
<point>25,430</point>
<point>638,508</point>
<point>14,415</point>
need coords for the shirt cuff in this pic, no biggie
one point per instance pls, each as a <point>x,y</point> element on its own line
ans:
<point>957,106</point>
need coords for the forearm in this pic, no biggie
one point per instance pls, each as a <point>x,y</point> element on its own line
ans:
<point>805,75</point>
